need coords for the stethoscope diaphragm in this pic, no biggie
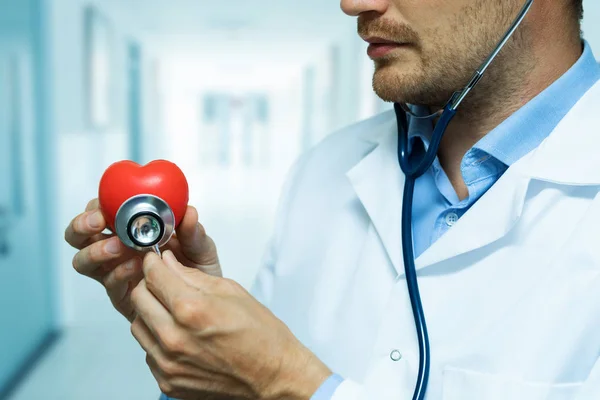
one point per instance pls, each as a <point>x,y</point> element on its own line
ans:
<point>145,222</point>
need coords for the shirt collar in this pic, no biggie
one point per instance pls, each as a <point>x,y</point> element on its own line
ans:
<point>532,123</point>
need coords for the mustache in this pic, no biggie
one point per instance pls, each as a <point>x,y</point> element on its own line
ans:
<point>386,29</point>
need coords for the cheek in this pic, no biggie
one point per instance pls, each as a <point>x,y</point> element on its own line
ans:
<point>448,31</point>
<point>427,10</point>
<point>432,18</point>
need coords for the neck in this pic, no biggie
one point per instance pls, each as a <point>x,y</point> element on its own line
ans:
<point>520,73</point>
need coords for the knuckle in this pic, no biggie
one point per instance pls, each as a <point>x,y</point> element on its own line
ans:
<point>67,235</point>
<point>113,286</point>
<point>151,276</point>
<point>93,253</point>
<point>167,367</point>
<point>80,262</point>
<point>225,286</point>
<point>80,224</point>
<point>97,253</point>
<point>120,273</point>
<point>92,204</point>
<point>134,296</point>
<point>229,285</point>
<point>214,285</point>
<point>76,262</point>
<point>71,231</point>
<point>127,270</point>
<point>134,329</point>
<point>173,342</point>
<point>185,311</point>
<point>201,231</point>
<point>166,387</point>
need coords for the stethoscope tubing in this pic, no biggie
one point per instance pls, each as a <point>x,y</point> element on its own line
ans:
<point>412,172</point>
<point>414,165</point>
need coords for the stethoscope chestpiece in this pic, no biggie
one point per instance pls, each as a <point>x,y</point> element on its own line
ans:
<point>144,221</point>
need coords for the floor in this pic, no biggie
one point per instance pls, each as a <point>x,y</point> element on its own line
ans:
<point>91,364</point>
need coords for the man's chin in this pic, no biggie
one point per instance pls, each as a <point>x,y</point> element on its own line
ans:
<point>391,85</point>
<point>408,87</point>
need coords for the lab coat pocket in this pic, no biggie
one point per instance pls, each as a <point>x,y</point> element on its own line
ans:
<point>460,384</point>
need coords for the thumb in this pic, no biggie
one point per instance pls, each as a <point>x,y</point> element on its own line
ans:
<point>192,276</point>
<point>195,244</point>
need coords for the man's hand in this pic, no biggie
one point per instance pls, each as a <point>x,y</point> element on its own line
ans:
<point>119,269</point>
<point>206,337</point>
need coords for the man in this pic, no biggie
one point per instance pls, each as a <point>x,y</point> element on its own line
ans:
<point>505,223</point>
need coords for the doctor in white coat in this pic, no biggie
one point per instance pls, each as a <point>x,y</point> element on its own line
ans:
<point>506,227</point>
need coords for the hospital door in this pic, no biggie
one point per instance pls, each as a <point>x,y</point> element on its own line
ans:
<point>26,312</point>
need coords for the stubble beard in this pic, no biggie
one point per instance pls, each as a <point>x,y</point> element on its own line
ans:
<point>440,68</point>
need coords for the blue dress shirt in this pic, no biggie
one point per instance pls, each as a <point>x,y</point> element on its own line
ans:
<point>438,206</point>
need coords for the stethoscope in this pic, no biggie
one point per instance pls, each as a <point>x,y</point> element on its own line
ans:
<point>416,164</point>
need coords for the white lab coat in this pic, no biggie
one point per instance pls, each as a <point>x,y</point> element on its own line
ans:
<point>511,292</point>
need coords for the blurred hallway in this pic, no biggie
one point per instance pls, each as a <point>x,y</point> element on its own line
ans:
<point>233,92</point>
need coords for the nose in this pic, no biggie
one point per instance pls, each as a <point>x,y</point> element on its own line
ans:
<point>354,8</point>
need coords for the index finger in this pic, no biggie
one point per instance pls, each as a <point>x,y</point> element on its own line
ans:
<point>165,285</point>
<point>83,227</point>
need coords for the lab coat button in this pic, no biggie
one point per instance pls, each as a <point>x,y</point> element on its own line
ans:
<point>451,218</point>
<point>395,355</point>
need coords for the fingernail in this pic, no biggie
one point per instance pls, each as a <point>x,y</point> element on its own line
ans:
<point>94,220</point>
<point>113,246</point>
<point>167,254</point>
<point>169,257</point>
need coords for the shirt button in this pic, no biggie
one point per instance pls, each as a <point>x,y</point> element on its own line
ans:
<point>395,355</point>
<point>451,218</point>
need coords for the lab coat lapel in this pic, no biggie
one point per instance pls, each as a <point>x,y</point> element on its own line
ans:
<point>568,156</point>
<point>379,183</point>
<point>488,220</point>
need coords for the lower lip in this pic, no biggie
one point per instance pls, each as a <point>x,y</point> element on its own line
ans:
<point>380,50</point>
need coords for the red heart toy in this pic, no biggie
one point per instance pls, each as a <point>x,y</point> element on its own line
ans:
<point>125,179</point>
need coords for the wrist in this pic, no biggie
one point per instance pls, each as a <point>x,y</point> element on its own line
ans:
<point>299,378</point>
